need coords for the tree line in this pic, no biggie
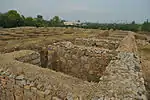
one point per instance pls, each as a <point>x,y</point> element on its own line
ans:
<point>120,26</point>
<point>13,19</point>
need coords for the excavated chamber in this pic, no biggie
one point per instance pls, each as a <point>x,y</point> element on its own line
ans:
<point>86,63</point>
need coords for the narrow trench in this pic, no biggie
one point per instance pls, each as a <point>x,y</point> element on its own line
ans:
<point>147,88</point>
<point>44,57</point>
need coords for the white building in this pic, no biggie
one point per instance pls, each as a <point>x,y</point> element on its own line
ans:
<point>72,23</point>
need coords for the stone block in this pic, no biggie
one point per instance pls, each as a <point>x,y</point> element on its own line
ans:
<point>18,97</point>
<point>27,87</point>
<point>21,83</point>
<point>40,93</point>
<point>20,77</point>
<point>10,83</point>
<point>24,59</point>
<point>27,95</point>
<point>35,61</point>
<point>32,84</point>
<point>56,98</point>
<point>34,89</point>
<point>34,56</point>
<point>49,97</point>
<point>19,94</point>
<point>34,96</point>
<point>9,95</point>
<point>40,86</point>
<point>47,92</point>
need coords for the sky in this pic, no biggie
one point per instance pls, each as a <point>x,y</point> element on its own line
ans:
<point>103,11</point>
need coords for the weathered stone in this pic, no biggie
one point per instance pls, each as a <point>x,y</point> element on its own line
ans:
<point>35,62</point>
<point>28,82</point>
<point>18,97</point>
<point>32,84</point>
<point>56,98</point>
<point>49,97</point>
<point>44,57</point>
<point>1,70</point>
<point>20,77</point>
<point>84,59</point>
<point>40,93</point>
<point>74,57</point>
<point>34,89</point>
<point>39,86</point>
<point>68,45</point>
<point>47,92</point>
<point>12,76</point>
<point>21,82</point>
<point>3,73</point>
<point>27,95</point>
<point>19,93</point>
<point>97,98</point>
<point>27,87</point>
<point>69,96</point>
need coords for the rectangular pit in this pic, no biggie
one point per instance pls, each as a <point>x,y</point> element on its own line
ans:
<point>86,63</point>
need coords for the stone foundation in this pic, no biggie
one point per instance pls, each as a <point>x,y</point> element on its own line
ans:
<point>121,79</point>
<point>100,43</point>
<point>86,63</point>
<point>33,58</point>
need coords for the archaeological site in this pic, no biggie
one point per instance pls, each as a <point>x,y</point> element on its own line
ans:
<point>73,64</point>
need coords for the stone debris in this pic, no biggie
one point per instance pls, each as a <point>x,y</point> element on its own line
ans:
<point>20,77</point>
<point>117,72</point>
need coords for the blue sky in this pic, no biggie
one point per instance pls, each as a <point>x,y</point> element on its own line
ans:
<point>84,10</point>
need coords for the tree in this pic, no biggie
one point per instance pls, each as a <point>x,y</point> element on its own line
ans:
<point>56,21</point>
<point>29,21</point>
<point>40,17</point>
<point>10,19</point>
<point>78,21</point>
<point>13,19</point>
<point>39,21</point>
<point>133,22</point>
<point>1,20</point>
<point>146,26</point>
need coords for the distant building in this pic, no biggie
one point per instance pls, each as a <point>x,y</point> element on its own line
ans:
<point>72,23</point>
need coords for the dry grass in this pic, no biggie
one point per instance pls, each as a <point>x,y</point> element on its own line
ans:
<point>145,52</point>
<point>103,34</point>
<point>32,38</point>
<point>140,36</point>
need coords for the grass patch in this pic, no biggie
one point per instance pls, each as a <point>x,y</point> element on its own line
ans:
<point>145,52</point>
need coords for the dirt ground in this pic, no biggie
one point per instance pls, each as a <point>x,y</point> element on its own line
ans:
<point>31,38</point>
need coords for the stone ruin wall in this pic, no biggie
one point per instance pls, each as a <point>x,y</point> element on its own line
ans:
<point>33,58</point>
<point>100,43</point>
<point>86,63</point>
<point>122,79</point>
